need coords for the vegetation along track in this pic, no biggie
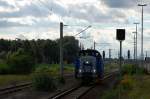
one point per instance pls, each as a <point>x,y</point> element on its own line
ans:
<point>78,91</point>
<point>18,87</point>
<point>15,88</point>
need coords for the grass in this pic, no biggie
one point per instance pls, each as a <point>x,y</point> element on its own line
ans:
<point>109,66</point>
<point>140,89</point>
<point>55,68</point>
<point>46,77</point>
<point>133,85</point>
<point>12,79</point>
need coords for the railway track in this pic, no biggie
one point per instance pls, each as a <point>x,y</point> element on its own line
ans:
<point>78,91</point>
<point>73,93</point>
<point>15,88</point>
<point>18,87</point>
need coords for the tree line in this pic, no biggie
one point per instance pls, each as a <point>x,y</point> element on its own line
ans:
<point>42,51</point>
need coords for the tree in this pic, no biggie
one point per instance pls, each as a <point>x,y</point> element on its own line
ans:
<point>20,62</point>
<point>71,48</point>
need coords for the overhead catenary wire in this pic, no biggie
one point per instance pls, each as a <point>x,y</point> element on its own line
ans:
<point>49,9</point>
<point>83,30</point>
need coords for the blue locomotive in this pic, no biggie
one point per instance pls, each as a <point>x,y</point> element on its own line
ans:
<point>89,64</point>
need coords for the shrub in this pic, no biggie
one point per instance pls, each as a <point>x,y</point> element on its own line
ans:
<point>129,69</point>
<point>110,94</point>
<point>140,71</point>
<point>4,68</point>
<point>61,80</point>
<point>20,62</point>
<point>132,69</point>
<point>3,55</point>
<point>42,79</point>
<point>127,82</point>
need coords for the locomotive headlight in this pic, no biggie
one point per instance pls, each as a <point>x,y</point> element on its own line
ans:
<point>94,70</point>
<point>87,62</point>
<point>80,70</point>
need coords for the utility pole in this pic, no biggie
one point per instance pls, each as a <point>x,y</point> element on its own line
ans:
<point>94,45</point>
<point>61,49</point>
<point>80,45</point>
<point>134,45</point>
<point>118,54</point>
<point>136,23</point>
<point>110,53</point>
<point>128,54</point>
<point>103,55</point>
<point>146,54</point>
<point>142,55</point>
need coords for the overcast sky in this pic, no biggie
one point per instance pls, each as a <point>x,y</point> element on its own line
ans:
<point>33,19</point>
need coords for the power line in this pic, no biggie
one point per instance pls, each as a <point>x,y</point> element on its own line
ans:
<point>83,30</point>
<point>49,9</point>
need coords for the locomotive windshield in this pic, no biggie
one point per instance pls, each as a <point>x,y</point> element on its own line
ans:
<point>89,53</point>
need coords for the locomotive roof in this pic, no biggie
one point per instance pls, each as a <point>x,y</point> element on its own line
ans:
<point>90,51</point>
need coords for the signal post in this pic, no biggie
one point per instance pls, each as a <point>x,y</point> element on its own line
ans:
<point>120,36</point>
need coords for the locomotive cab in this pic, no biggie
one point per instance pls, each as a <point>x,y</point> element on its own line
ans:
<point>89,64</point>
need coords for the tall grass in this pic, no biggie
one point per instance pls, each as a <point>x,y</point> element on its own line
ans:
<point>55,68</point>
<point>131,69</point>
<point>4,68</point>
<point>131,85</point>
<point>13,79</point>
<point>42,79</point>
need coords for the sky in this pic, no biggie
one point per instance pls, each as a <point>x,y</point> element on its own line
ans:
<point>40,19</point>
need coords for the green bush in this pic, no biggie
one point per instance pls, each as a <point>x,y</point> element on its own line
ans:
<point>110,94</point>
<point>127,82</point>
<point>20,62</point>
<point>61,80</point>
<point>131,69</point>
<point>140,71</point>
<point>42,79</point>
<point>4,68</point>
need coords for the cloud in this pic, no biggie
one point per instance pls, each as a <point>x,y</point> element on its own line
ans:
<point>5,4</point>
<point>97,13</point>
<point>33,19</point>
<point>29,10</point>
<point>7,24</point>
<point>120,3</point>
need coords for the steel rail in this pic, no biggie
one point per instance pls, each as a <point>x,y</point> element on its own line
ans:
<point>78,91</point>
<point>14,88</point>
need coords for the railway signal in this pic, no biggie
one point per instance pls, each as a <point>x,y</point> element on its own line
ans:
<point>120,36</point>
<point>103,55</point>
<point>128,54</point>
<point>94,44</point>
<point>110,54</point>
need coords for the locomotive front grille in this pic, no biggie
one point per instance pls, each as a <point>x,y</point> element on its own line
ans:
<point>87,69</point>
<point>87,66</point>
